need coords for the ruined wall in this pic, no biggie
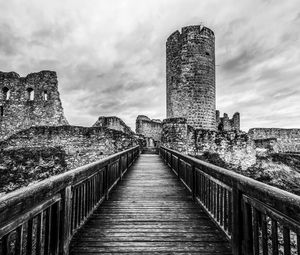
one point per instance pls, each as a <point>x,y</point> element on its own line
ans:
<point>29,101</point>
<point>113,122</point>
<point>82,145</point>
<point>287,140</point>
<point>149,128</point>
<point>177,135</point>
<point>233,147</point>
<point>191,76</point>
<point>226,124</point>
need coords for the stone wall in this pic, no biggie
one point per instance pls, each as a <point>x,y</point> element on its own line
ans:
<point>29,101</point>
<point>82,145</point>
<point>113,122</point>
<point>149,128</point>
<point>191,76</point>
<point>233,147</point>
<point>287,140</point>
<point>177,135</point>
<point>226,124</point>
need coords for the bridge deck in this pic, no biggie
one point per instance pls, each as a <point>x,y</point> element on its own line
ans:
<point>150,211</point>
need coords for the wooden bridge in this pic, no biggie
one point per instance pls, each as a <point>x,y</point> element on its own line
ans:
<point>165,204</point>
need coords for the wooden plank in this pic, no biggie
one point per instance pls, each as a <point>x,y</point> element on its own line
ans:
<point>150,211</point>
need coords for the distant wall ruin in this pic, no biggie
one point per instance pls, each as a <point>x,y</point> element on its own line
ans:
<point>226,124</point>
<point>280,139</point>
<point>150,129</point>
<point>113,122</point>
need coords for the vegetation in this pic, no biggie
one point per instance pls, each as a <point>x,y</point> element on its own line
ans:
<point>276,169</point>
<point>21,167</point>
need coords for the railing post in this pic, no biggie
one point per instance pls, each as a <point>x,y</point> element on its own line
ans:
<point>65,221</point>
<point>194,182</point>
<point>127,163</point>
<point>237,222</point>
<point>248,230</point>
<point>106,181</point>
<point>120,168</point>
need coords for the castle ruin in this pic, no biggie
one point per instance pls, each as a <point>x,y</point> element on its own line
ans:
<point>191,92</point>
<point>29,101</point>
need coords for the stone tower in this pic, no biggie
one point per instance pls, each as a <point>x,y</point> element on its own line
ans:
<point>191,76</point>
<point>29,101</point>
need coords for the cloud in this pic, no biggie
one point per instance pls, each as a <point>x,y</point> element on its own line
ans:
<point>110,55</point>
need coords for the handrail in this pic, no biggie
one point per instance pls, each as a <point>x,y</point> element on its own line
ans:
<point>249,212</point>
<point>52,210</point>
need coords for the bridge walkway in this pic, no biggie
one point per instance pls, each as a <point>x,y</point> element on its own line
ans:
<point>149,212</point>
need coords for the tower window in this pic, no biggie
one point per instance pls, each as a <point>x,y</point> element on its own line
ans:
<point>45,95</point>
<point>30,94</point>
<point>207,53</point>
<point>6,93</point>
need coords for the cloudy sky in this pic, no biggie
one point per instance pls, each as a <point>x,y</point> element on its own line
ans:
<point>110,55</point>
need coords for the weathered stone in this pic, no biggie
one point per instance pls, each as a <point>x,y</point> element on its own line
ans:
<point>113,122</point>
<point>82,145</point>
<point>149,129</point>
<point>226,124</point>
<point>233,147</point>
<point>276,139</point>
<point>29,101</point>
<point>191,76</point>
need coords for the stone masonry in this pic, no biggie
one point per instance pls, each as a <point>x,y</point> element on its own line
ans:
<point>29,101</point>
<point>81,145</point>
<point>226,124</point>
<point>113,122</point>
<point>150,129</point>
<point>191,76</point>
<point>276,139</point>
<point>233,147</point>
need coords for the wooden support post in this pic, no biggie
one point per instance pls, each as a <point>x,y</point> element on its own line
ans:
<point>55,227</point>
<point>120,168</point>
<point>106,181</point>
<point>248,230</point>
<point>65,216</point>
<point>237,222</point>
<point>194,182</point>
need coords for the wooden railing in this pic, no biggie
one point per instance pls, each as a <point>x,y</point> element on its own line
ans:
<point>256,218</point>
<point>42,218</point>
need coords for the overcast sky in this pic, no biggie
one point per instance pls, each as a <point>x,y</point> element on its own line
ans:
<point>110,54</point>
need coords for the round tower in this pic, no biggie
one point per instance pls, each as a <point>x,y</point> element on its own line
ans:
<point>191,92</point>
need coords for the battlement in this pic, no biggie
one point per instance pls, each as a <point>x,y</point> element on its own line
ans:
<point>187,31</point>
